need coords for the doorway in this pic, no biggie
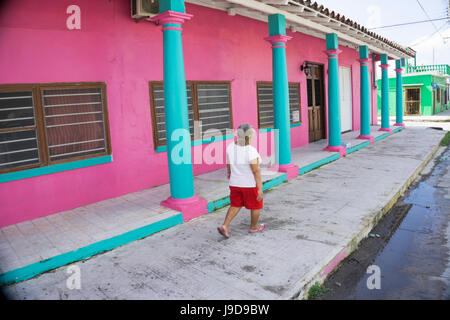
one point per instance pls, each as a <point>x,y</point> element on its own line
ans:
<point>345,88</point>
<point>434,101</point>
<point>412,101</point>
<point>316,103</point>
<point>371,97</point>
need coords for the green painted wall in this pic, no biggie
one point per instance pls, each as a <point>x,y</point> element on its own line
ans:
<point>426,91</point>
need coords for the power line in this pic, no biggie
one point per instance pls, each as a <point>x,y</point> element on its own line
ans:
<point>407,23</point>
<point>435,28</point>
<point>429,36</point>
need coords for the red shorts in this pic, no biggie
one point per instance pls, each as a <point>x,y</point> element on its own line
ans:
<point>240,197</point>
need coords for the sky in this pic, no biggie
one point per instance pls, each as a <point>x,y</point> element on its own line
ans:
<point>422,37</point>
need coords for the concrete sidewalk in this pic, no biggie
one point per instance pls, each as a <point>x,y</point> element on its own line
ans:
<point>314,221</point>
<point>443,116</point>
<point>32,247</point>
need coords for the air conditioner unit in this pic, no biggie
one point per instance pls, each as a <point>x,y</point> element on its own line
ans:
<point>144,8</point>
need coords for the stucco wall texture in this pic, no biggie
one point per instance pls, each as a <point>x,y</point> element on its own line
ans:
<point>111,47</point>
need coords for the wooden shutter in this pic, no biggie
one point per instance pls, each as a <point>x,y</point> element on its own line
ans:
<point>158,115</point>
<point>74,122</point>
<point>265,104</point>
<point>18,132</point>
<point>214,106</point>
<point>294,103</point>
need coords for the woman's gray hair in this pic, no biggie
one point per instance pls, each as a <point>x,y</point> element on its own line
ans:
<point>245,133</point>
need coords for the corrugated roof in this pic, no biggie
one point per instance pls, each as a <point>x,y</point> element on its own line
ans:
<point>312,18</point>
<point>334,15</point>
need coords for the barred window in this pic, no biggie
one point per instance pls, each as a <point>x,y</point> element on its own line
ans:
<point>18,136</point>
<point>265,104</point>
<point>213,106</point>
<point>208,102</point>
<point>294,102</point>
<point>44,124</point>
<point>158,116</point>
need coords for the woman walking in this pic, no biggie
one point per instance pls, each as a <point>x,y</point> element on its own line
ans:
<point>245,180</point>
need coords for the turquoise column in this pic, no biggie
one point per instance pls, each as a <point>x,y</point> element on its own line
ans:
<point>384,94</point>
<point>182,197</point>
<point>364,94</point>
<point>334,114</point>
<point>399,94</point>
<point>278,38</point>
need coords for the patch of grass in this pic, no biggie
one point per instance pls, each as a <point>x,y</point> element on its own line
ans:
<point>316,291</point>
<point>446,140</point>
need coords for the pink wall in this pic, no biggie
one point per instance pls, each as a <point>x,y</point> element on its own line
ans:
<point>112,48</point>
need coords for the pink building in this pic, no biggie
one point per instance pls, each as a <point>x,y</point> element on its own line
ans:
<point>82,95</point>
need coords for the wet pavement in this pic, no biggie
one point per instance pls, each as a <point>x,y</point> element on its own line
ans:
<point>410,246</point>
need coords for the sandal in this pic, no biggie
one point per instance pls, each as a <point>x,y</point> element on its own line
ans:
<point>222,232</point>
<point>261,227</point>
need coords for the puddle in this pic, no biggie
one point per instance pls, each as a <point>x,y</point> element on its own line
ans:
<point>412,251</point>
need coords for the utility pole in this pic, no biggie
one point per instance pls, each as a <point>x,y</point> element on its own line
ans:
<point>448,17</point>
<point>433,56</point>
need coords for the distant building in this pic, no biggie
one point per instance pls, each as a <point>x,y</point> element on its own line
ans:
<point>425,90</point>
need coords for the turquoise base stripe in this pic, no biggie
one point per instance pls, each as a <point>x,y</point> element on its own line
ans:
<point>385,135</point>
<point>317,164</point>
<point>225,201</point>
<point>397,129</point>
<point>293,125</point>
<point>161,149</point>
<point>265,130</point>
<point>358,147</point>
<point>211,206</point>
<point>274,182</point>
<point>217,204</point>
<point>37,268</point>
<point>17,175</point>
<point>200,142</point>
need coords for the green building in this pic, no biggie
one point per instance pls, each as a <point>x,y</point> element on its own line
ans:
<point>425,90</point>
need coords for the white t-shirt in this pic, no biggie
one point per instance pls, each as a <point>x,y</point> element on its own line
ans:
<point>239,158</point>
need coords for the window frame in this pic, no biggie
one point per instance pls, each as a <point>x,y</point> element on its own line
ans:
<point>17,88</point>
<point>406,100</point>
<point>290,84</point>
<point>195,110</point>
<point>40,125</point>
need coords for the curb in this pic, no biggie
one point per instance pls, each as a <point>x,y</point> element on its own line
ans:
<point>314,165</point>
<point>419,119</point>
<point>83,253</point>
